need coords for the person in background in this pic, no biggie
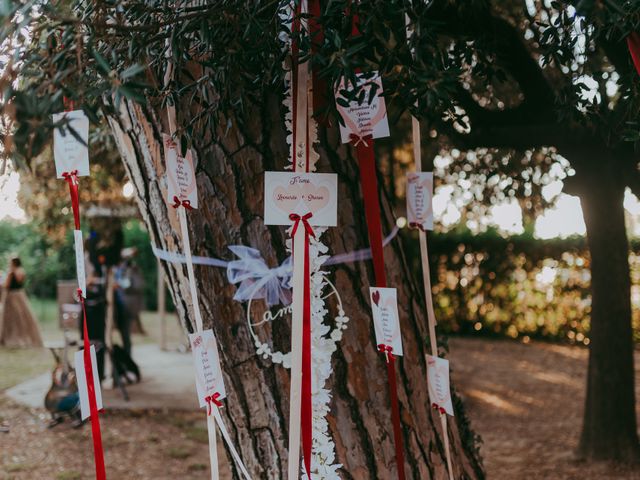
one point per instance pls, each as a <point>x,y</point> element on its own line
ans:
<point>95,304</point>
<point>131,288</point>
<point>18,326</point>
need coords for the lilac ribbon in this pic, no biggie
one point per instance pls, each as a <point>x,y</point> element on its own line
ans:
<point>256,280</point>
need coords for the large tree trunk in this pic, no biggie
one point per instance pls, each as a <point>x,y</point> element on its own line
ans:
<point>230,185</point>
<point>609,427</point>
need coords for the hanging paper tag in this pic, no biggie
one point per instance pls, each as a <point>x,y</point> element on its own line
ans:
<point>419,200</point>
<point>71,152</point>
<point>287,192</point>
<point>438,376</point>
<point>181,177</point>
<point>81,378</point>
<point>209,379</point>
<point>366,118</point>
<point>385,317</point>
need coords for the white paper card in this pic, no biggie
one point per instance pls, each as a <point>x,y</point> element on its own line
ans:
<point>364,118</point>
<point>181,174</point>
<point>68,152</point>
<point>438,377</point>
<point>419,200</point>
<point>301,193</point>
<point>82,381</point>
<point>207,362</point>
<point>80,272</point>
<point>386,321</point>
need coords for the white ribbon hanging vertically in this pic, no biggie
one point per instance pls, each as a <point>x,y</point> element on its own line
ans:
<point>426,274</point>
<point>184,230</point>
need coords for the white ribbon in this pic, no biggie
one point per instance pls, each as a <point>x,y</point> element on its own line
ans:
<point>297,313</point>
<point>257,280</point>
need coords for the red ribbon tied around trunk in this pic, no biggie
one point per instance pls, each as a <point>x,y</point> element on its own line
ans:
<point>185,203</point>
<point>98,451</point>
<point>633,42</point>
<point>212,399</point>
<point>306,409</point>
<point>356,139</point>
<point>72,179</point>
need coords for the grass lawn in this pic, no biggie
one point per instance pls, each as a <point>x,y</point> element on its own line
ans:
<point>20,364</point>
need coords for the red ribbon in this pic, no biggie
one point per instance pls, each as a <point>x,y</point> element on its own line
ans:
<point>98,452</point>
<point>212,399</point>
<point>72,179</point>
<point>306,409</point>
<point>369,182</point>
<point>416,225</point>
<point>185,203</point>
<point>633,42</point>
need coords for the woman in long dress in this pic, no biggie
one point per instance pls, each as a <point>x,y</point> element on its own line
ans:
<point>18,326</point>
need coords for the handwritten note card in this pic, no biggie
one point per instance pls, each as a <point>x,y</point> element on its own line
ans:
<point>209,379</point>
<point>83,392</point>
<point>386,321</point>
<point>71,152</point>
<point>181,174</point>
<point>419,200</point>
<point>438,377</point>
<point>364,118</point>
<point>300,193</point>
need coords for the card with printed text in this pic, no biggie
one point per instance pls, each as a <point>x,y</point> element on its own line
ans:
<point>386,322</point>
<point>181,174</point>
<point>71,152</point>
<point>301,193</point>
<point>420,200</point>
<point>209,379</point>
<point>362,119</point>
<point>438,377</point>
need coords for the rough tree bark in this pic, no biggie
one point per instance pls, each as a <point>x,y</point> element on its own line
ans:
<point>230,186</point>
<point>609,429</point>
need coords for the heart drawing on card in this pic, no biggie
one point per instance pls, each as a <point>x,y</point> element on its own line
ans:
<point>287,198</point>
<point>375,296</point>
<point>315,198</point>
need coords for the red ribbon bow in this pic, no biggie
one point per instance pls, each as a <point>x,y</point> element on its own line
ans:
<point>356,139</point>
<point>185,203</point>
<point>435,406</point>
<point>387,350</point>
<point>305,221</point>
<point>212,399</point>
<point>416,225</point>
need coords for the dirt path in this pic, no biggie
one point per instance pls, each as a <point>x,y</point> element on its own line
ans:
<point>149,445</point>
<point>526,401</point>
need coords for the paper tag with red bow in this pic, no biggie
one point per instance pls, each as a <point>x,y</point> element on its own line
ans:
<point>209,380</point>
<point>71,143</point>
<point>181,175</point>
<point>366,118</point>
<point>287,193</point>
<point>386,321</point>
<point>81,378</point>
<point>419,200</point>
<point>439,389</point>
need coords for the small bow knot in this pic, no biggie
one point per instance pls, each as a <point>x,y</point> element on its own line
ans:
<point>305,221</point>
<point>185,203</point>
<point>435,406</point>
<point>416,225</point>
<point>212,399</point>
<point>386,349</point>
<point>71,177</point>
<point>356,139</point>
